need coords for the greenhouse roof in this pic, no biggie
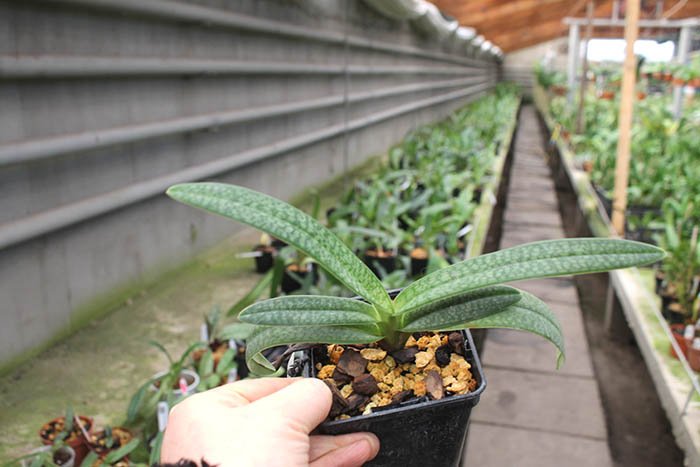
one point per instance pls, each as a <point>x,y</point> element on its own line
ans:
<point>516,24</point>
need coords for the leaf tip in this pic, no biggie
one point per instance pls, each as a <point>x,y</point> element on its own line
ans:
<point>560,359</point>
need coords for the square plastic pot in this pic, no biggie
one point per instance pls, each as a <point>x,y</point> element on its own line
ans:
<point>418,432</point>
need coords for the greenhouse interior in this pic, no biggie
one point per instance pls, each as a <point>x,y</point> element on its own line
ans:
<point>488,255</point>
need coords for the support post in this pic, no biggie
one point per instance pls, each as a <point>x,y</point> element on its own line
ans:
<point>573,61</point>
<point>583,83</point>
<point>682,57</point>
<point>622,164</point>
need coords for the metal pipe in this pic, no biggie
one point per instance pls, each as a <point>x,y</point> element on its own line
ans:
<point>643,23</point>
<point>42,223</point>
<point>683,50</point>
<point>33,150</point>
<point>81,67</point>
<point>572,62</point>
<point>211,17</point>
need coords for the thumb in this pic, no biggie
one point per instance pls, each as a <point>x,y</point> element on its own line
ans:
<point>305,403</point>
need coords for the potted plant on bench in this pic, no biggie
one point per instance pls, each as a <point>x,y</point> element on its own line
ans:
<point>465,295</point>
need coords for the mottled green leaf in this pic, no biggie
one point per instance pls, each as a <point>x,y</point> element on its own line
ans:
<point>238,331</point>
<point>266,337</point>
<point>529,314</point>
<point>539,259</point>
<point>291,225</point>
<point>460,309</point>
<point>304,310</point>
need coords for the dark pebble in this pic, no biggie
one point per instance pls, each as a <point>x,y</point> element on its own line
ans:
<point>340,404</point>
<point>340,377</point>
<point>456,341</point>
<point>365,385</point>
<point>407,355</point>
<point>355,401</point>
<point>442,355</point>
<point>351,363</point>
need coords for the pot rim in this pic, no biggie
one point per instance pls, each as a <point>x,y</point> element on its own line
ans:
<point>191,388</point>
<point>451,400</point>
<point>477,368</point>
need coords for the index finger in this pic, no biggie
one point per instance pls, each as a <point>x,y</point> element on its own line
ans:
<point>249,390</point>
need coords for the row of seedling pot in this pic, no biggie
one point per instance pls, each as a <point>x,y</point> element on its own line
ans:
<point>415,213</point>
<point>663,195</point>
<point>71,440</point>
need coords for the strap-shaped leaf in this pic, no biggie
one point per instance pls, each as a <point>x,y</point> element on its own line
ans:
<point>529,314</point>
<point>309,310</point>
<point>266,337</point>
<point>460,309</point>
<point>291,225</point>
<point>539,259</point>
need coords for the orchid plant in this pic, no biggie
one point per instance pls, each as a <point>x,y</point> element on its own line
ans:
<point>468,294</point>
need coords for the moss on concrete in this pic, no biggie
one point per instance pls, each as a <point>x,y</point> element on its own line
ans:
<point>97,363</point>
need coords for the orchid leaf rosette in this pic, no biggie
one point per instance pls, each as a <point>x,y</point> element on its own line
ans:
<point>468,294</point>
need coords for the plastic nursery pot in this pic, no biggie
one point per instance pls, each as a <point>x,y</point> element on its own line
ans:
<point>191,379</point>
<point>677,330</point>
<point>64,456</point>
<point>694,358</point>
<point>669,309</point>
<point>384,258</point>
<point>418,431</point>
<point>659,278</point>
<point>120,437</point>
<point>290,283</point>
<point>264,262</point>
<point>419,261</point>
<point>75,441</point>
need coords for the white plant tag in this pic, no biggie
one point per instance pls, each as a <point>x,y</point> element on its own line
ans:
<point>162,412</point>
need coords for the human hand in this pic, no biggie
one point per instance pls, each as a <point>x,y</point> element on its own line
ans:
<point>262,422</point>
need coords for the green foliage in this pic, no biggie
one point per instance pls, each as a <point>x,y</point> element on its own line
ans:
<point>439,301</point>
<point>548,78</point>
<point>290,225</point>
<point>142,406</point>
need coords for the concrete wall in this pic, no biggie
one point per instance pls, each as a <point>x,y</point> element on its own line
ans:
<point>105,103</point>
<point>518,66</point>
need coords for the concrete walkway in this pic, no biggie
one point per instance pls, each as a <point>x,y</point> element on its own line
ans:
<point>532,414</point>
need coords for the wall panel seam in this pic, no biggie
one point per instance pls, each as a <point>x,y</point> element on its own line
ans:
<point>42,223</point>
<point>36,149</point>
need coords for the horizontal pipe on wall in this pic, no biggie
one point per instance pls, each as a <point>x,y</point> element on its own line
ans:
<point>42,223</point>
<point>33,150</point>
<point>82,67</point>
<point>175,11</point>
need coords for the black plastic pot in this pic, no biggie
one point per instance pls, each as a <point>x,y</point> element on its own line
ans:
<point>419,431</point>
<point>477,195</point>
<point>672,317</point>
<point>659,278</point>
<point>277,243</point>
<point>290,283</point>
<point>264,262</point>
<point>388,263</point>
